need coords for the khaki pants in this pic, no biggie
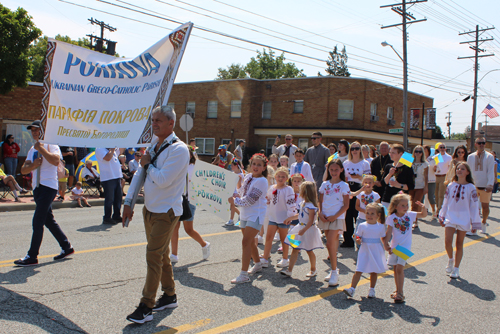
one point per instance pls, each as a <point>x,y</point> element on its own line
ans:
<point>440,190</point>
<point>159,228</point>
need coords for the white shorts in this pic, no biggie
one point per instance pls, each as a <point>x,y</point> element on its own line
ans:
<point>456,227</point>
<point>393,260</point>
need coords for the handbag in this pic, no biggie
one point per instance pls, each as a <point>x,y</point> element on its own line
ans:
<point>186,210</point>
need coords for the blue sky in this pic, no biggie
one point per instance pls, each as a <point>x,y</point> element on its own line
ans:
<point>310,28</point>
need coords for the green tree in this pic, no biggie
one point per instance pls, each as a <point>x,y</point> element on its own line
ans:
<point>265,66</point>
<point>17,31</point>
<point>459,136</point>
<point>437,133</point>
<point>337,63</point>
<point>233,71</point>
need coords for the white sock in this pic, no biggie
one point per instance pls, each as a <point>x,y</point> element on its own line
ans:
<point>15,193</point>
<point>18,187</point>
<point>244,273</point>
<point>372,289</point>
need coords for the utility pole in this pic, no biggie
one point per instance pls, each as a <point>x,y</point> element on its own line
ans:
<point>448,124</point>
<point>485,124</point>
<point>408,18</point>
<point>99,41</point>
<point>477,33</point>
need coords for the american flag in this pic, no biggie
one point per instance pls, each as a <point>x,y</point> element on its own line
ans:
<point>490,111</point>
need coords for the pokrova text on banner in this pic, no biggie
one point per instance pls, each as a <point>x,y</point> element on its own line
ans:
<point>97,100</point>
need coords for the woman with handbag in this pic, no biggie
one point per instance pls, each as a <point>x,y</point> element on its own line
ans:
<point>188,223</point>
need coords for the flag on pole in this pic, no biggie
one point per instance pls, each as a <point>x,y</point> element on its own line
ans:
<point>406,159</point>
<point>402,252</point>
<point>490,111</point>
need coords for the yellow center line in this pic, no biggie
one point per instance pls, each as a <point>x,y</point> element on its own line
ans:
<point>186,327</point>
<point>321,296</point>
<point>10,264</point>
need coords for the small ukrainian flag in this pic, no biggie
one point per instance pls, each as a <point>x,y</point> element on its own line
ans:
<point>402,252</point>
<point>406,159</point>
<point>498,177</point>
<point>291,239</point>
<point>438,158</point>
<point>334,156</point>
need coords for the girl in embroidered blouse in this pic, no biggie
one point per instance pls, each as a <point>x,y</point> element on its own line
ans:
<point>460,213</point>
<point>399,232</point>
<point>281,205</point>
<point>251,198</point>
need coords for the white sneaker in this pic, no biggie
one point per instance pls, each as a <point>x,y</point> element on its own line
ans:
<point>286,273</point>
<point>276,237</point>
<point>206,251</point>
<point>455,273</point>
<point>483,228</point>
<point>371,293</point>
<point>242,278</point>
<point>230,223</point>
<point>449,267</point>
<point>349,292</point>
<point>283,263</point>
<point>470,233</point>
<point>256,268</point>
<point>260,240</point>
<point>265,263</point>
<point>174,258</point>
<point>341,238</point>
<point>334,279</point>
<point>327,278</point>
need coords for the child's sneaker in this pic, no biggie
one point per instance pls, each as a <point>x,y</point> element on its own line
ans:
<point>276,237</point>
<point>349,292</point>
<point>260,240</point>
<point>265,263</point>
<point>483,228</point>
<point>334,279</point>
<point>283,263</point>
<point>371,293</point>
<point>286,273</point>
<point>455,273</point>
<point>280,250</point>
<point>449,267</point>
<point>230,222</point>
<point>242,278</point>
<point>206,251</point>
<point>256,268</point>
<point>327,278</point>
<point>174,258</point>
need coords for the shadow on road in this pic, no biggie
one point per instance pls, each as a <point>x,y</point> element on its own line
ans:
<point>474,289</point>
<point>97,228</point>
<point>20,275</point>
<point>17,308</point>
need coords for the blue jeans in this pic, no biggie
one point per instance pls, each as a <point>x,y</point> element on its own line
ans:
<point>112,198</point>
<point>10,166</point>
<point>43,216</point>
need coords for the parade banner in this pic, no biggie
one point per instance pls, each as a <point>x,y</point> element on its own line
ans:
<point>97,100</point>
<point>430,122</point>
<point>414,119</point>
<point>210,187</point>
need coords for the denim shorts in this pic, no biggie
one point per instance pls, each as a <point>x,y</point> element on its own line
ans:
<point>193,210</point>
<point>279,225</point>
<point>253,224</point>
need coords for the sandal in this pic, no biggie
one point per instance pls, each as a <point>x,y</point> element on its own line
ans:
<point>394,294</point>
<point>312,273</point>
<point>399,298</point>
<point>415,226</point>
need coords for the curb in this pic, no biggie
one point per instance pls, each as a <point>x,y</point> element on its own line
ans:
<point>55,205</point>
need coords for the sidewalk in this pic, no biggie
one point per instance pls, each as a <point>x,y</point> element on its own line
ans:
<point>28,204</point>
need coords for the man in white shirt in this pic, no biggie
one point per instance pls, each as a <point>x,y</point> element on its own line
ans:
<point>441,169</point>
<point>238,151</point>
<point>482,165</point>
<point>287,149</point>
<point>111,176</point>
<point>42,160</point>
<point>92,177</point>
<point>163,189</point>
<point>133,165</point>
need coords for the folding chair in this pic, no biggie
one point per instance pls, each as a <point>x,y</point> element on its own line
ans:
<point>5,190</point>
<point>89,190</point>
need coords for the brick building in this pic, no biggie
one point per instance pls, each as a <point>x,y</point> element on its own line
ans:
<point>258,110</point>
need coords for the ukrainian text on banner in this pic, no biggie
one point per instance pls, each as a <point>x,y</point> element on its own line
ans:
<point>210,187</point>
<point>97,100</point>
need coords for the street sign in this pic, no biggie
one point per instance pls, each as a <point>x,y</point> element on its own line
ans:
<point>186,122</point>
<point>396,130</point>
<point>402,124</point>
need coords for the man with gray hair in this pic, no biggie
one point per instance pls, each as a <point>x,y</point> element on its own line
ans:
<point>378,165</point>
<point>165,164</point>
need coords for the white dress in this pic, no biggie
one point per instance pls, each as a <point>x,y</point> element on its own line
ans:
<point>371,255</point>
<point>312,237</point>
<point>461,206</point>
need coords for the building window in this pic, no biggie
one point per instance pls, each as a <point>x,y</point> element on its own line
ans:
<point>266,109</point>
<point>346,109</point>
<point>269,145</point>
<point>298,106</point>
<point>206,146</point>
<point>225,142</point>
<point>236,109</point>
<point>373,109</point>
<point>303,144</point>
<point>171,105</point>
<point>190,107</point>
<point>212,109</point>
<point>390,113</point>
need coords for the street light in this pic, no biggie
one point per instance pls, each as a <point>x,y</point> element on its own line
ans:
<point>405,91</point>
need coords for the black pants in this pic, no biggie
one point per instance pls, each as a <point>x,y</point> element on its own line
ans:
<point>350,216</point>
<point>43,216</point>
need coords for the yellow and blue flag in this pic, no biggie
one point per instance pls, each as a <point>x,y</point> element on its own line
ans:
<point>402,252</point>
<point>438,158</point>
<point>334,156</point>
<point>90,157</point>
<point>498,177</point>
<point>406,159</point>
<point>291,239</point>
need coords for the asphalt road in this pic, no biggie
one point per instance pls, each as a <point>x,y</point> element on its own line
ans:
<point>93,291</point>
